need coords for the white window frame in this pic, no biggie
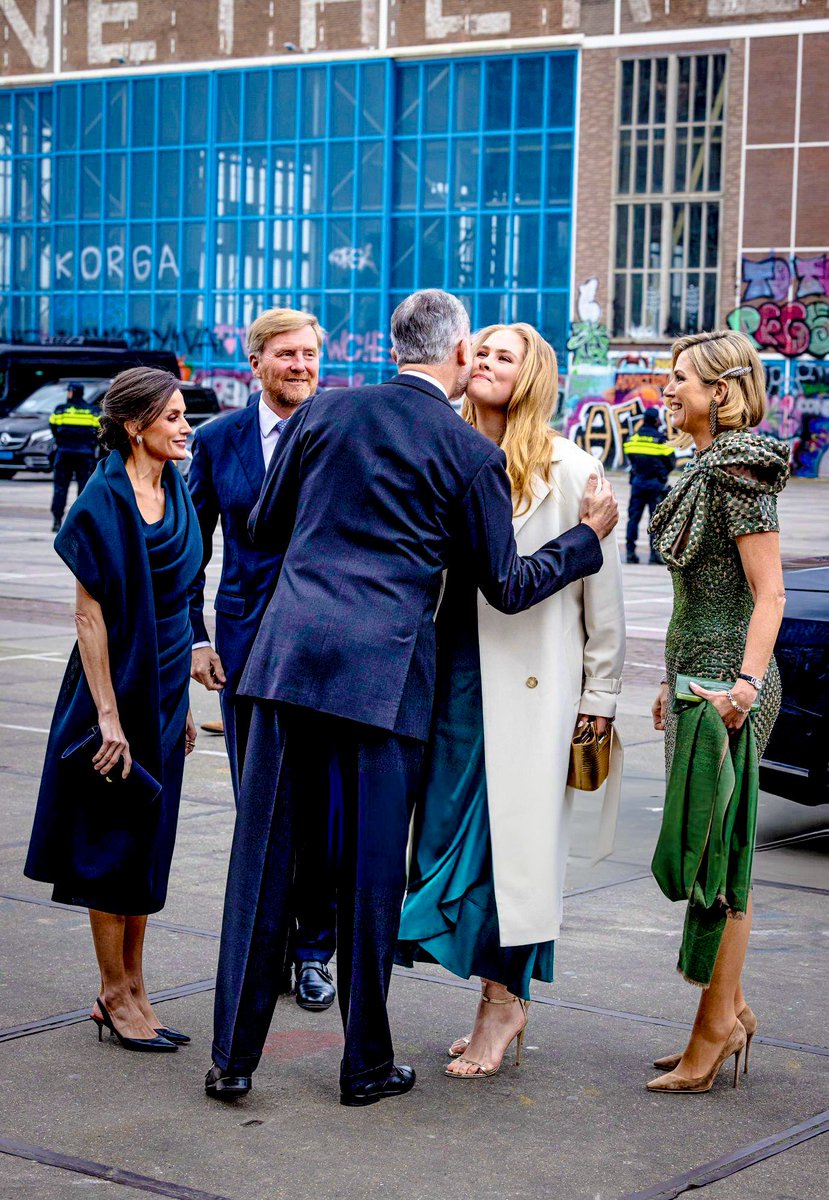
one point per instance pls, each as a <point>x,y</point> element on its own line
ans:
<point>668,198</point>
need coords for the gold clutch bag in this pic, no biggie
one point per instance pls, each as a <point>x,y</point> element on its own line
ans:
<point>589,758</point>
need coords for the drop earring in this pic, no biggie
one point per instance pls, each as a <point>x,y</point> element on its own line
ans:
<point>139,439</point>
<point>714,416</point>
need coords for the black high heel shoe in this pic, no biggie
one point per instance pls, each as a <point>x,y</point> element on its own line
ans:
<point>156,1044</point>
<point>174,1035</point>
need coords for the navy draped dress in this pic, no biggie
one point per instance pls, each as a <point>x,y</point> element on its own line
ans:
<point>450,915</point>
<point>111,856</point>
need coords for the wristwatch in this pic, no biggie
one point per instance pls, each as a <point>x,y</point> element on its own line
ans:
<point>753,680</point>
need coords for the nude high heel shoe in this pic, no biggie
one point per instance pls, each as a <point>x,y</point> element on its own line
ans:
<point>735,1044</point>
<point>749,1023</point>
<point>483,1072</point>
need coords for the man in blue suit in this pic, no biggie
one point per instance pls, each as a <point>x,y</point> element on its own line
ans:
<point>230,457</point>
<point>373,492</point>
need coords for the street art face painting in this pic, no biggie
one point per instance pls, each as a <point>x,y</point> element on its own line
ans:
<point>785,304</point>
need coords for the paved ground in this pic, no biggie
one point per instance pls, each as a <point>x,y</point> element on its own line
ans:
<point>574,1123</point>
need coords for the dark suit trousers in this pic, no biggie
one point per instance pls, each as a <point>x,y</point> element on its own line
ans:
<point>643,494</point>
<point>69,465</point>
<point>374,776</point>
<point>318,841</point>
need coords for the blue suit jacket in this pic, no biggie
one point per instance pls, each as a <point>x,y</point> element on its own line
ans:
<point>371,493</point>
<point>225,479</point>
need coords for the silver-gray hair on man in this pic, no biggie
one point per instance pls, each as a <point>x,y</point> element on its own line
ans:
<point>427,326</point>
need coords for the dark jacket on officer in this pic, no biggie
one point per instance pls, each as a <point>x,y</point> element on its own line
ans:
<point>649,456</point>
<point>75,424</point>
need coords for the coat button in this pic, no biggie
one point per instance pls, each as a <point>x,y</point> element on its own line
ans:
<point>532,682</point>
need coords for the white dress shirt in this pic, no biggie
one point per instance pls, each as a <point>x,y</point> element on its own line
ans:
<point>428,378</point>
<point>270,427</point>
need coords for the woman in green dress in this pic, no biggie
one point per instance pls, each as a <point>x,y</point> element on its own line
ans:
<point>718,533</point>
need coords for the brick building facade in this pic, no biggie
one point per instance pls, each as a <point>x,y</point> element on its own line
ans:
<point>617,171</point>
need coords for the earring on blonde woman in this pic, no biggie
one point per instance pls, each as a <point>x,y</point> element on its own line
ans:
<point>714,416</point>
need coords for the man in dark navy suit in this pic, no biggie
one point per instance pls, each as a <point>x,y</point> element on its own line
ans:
<point>372,493</point>
<point>230,457</point>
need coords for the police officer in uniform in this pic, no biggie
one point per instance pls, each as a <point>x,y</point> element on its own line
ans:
<point>651,461</point>
<point>74,426</point>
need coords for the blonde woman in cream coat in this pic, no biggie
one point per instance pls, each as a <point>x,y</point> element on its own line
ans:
<point>491,834</point>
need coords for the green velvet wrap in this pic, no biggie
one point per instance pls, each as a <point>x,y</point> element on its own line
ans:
<point>705,849</point>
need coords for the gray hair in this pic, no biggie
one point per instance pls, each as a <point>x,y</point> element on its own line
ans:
<point>427,326</point>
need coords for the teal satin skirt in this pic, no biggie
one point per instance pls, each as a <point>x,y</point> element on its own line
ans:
<point>450,916</point>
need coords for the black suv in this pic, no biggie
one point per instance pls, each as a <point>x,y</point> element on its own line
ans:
<point>796,761</point>
<point>26,442</point>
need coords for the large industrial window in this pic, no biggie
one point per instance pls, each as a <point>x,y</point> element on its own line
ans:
<point>170,210</point>
<point>668,195</point>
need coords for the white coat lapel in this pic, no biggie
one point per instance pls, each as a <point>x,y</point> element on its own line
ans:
<point>541,491</point>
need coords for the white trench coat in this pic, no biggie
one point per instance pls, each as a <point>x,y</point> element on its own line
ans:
<point>539,670</point>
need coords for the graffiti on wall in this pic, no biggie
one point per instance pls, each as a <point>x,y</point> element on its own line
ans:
<point>589,341</point>
<point>785,304</point>
<point>606,403</point>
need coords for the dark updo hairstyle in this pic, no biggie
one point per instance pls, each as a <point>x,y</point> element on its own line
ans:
<point>140,395</point>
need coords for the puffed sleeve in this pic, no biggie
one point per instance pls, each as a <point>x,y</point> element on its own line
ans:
<point>748,507</point>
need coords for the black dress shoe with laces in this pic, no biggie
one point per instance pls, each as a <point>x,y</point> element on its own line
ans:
<point>398,1081</point>
<point>224,1085</point>
<point>315,989</point>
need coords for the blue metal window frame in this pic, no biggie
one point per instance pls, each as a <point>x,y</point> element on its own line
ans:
<point>54,306</point>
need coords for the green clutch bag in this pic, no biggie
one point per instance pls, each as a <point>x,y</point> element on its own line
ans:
<point>683,691</point>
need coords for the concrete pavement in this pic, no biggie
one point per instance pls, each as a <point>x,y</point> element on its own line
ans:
<point>573,1123</point>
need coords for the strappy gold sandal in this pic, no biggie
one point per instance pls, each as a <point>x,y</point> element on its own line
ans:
<point>483,1072</point>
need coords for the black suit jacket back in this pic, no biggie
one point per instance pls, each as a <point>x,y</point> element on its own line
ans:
<point>372,493</point>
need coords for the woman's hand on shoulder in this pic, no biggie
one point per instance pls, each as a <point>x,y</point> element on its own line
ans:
<point>744,695</point>
<point>114,746</point>
<point>659,708</point>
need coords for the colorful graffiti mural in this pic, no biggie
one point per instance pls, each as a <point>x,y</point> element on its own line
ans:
<point>604,405</point>
<point>785,305</point>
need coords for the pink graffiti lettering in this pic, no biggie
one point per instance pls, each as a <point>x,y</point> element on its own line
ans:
<point>783,327</point>
<point>352,347</point>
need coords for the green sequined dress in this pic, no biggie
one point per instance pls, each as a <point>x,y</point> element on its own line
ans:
<point>726,491</point>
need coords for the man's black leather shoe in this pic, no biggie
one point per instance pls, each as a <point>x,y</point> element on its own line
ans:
<point>398,1081</point>
<point>222,1085</point>
<point>315,989</point>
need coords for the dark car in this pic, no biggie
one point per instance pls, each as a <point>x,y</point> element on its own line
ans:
<point>796,761</point>
<point>26,367</point>
<point>26,442</point>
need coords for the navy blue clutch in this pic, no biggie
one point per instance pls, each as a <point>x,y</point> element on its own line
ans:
<point>140,787</point>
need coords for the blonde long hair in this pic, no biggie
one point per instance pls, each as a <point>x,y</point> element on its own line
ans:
<point>528,439</point>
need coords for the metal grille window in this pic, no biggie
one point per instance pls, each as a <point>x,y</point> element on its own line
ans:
<point>668,195</point>
<point>170,210</point>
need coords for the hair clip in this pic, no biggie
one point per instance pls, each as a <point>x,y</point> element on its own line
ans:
<point>735,373</point>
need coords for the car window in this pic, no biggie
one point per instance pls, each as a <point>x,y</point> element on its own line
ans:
<point>45,400</point>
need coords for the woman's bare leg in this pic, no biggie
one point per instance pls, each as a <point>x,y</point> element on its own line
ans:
<point>720,1001</point>
<point>134,965</point>
<point>496,1024</point>
<point>108,934</point>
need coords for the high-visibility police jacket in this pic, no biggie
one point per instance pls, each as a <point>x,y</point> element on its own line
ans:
<point>649,456</point>
<point>75,427</point>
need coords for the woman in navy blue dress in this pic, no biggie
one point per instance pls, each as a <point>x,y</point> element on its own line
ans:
<point>132,541</point>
